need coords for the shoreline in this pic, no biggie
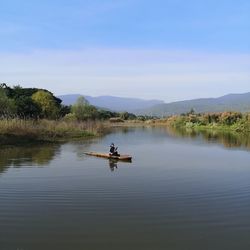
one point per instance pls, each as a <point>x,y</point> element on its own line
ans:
<point>49,130</point>
<point>60,131</point>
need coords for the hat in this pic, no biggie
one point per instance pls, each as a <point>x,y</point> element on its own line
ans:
<point>112,145</point>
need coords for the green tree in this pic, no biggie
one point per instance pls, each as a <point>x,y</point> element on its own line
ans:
<point>106,114</point>
<point>46,103</point>
<point>83,110</point>
<point>7,106</point>
<point>191,112</point>
<point>26,108</point>
<point>127,116</point>
<point>64,110</point>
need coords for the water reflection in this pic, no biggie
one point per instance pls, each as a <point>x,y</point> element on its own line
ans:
<point>113,164</point>
<point>18,156</point>
<point>173,190</point>
<point>227,139</point>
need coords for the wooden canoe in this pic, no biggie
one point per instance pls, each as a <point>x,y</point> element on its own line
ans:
<point>108,156</point>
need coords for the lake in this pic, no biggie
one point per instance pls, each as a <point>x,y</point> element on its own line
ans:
<point>182,190</point>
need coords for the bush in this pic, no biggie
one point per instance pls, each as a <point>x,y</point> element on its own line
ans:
<point>230,118</point>
<point>116,119</point>
<point>233,120</point>
<point>7,106</point>
<point>70,117</point>
<point>83,110</point>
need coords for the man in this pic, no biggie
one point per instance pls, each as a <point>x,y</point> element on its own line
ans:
<point>113,150</point>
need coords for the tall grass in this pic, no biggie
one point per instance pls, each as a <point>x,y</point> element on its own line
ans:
<point>50,129</point>
<point>226,121</point>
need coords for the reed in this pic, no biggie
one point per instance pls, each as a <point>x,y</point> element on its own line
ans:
<point>50,129</point>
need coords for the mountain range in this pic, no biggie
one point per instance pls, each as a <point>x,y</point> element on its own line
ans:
<point>231,102</point>
<point>112,102</point>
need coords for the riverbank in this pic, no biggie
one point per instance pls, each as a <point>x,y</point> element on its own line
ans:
<point>63,130</point>
<point>50,130</point>
<point>226,121</point>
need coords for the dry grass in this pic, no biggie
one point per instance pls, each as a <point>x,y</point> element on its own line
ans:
<point>50,130</point>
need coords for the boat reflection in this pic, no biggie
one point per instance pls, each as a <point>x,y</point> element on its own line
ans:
<point>113,164</point>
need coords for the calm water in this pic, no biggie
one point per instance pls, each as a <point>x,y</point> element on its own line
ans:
<point>182,191</point>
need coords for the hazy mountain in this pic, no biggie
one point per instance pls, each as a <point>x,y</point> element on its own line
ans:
<point>112,102</point>
<point>232,102</point>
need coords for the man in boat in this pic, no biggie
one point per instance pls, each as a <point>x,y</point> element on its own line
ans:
<point>113,150</point>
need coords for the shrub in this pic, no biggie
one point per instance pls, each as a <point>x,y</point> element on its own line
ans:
<point>116,119</point>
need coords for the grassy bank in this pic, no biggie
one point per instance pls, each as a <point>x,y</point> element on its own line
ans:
<point>226,121</point>
<point>50,130</point>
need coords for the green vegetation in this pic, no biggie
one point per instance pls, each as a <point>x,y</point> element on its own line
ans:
<point>7,105</point>
<point>234,121</point>
<point>28,103</point>
<point>48,106</point>
<point>33,103</point>
<point>37,114</point>
<point>32,113</point>
<point>83,111</point>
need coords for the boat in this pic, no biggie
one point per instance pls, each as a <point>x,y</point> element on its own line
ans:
<point>108,156</point>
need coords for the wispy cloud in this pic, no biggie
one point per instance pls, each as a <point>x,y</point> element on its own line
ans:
<point>163,74</point>
<point>9,28</point>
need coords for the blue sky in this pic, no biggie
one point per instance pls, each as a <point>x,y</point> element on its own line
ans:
<point>170,50</point>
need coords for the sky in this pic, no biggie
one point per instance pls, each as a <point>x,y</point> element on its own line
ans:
<point>162,49</point>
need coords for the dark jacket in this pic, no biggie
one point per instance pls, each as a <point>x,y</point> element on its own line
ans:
<point>112,149</point>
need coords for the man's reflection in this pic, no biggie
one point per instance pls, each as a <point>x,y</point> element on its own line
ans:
<point>113,164</point>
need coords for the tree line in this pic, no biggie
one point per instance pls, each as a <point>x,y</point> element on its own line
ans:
<point>34,103</point>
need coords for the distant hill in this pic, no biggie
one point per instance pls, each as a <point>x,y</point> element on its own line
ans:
<point>112,102</point>
<point>231,102</point>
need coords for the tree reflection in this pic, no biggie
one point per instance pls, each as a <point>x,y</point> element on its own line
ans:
<point>227,139</point>
<point>17,156</point>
